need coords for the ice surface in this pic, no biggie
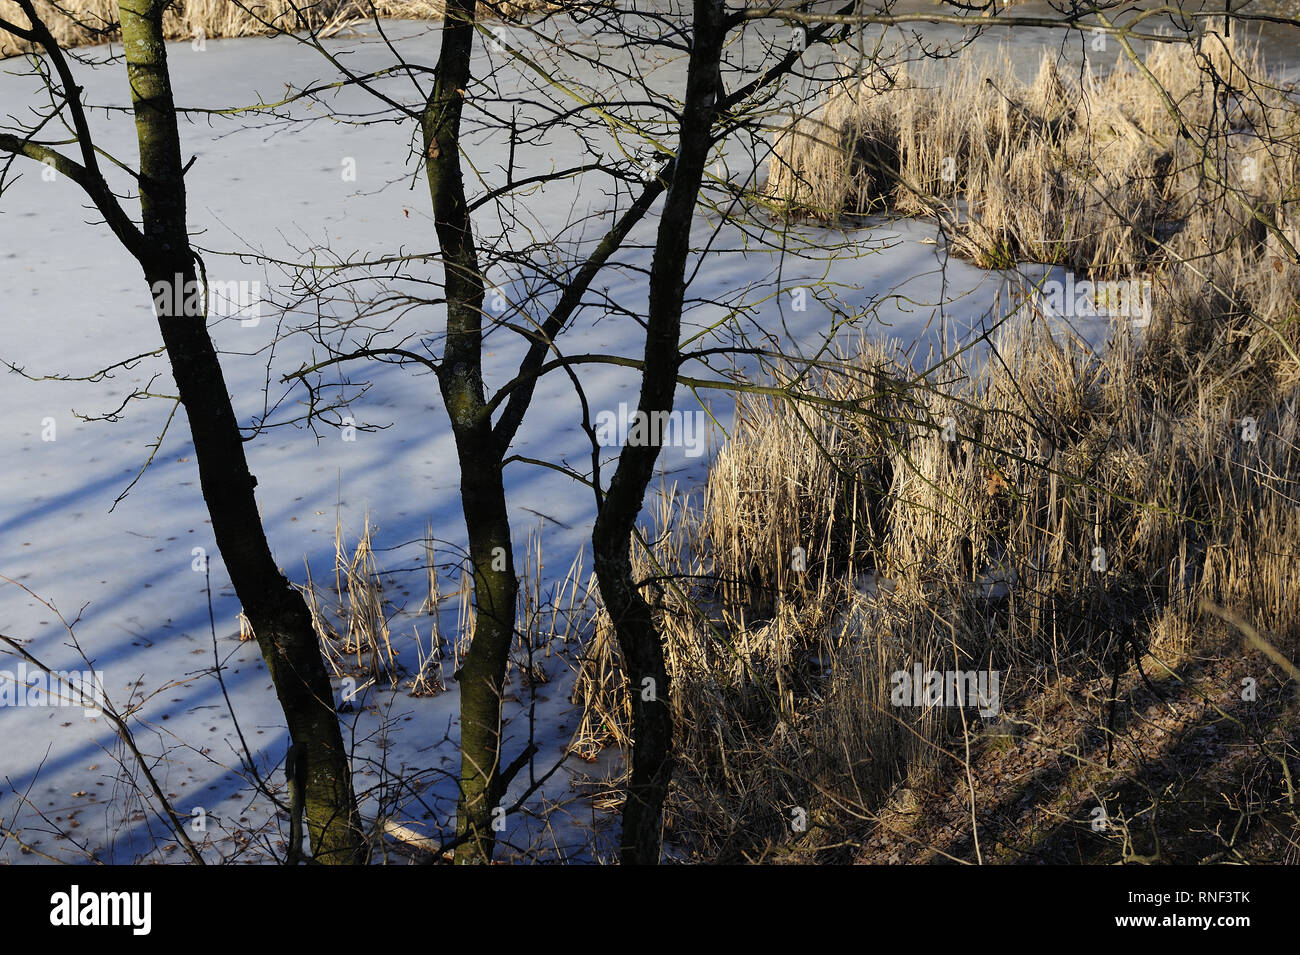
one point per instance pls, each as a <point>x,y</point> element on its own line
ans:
<point>73,302</point>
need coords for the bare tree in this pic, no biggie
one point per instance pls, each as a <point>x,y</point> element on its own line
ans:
<point>647,144</point>
<point>161,246</point>
<point>673,136</point>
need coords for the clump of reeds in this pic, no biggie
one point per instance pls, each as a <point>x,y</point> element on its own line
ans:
<point>356,620</point>
<point>1046,510</point>
<point>352,618</point>
<point>1096,173</point>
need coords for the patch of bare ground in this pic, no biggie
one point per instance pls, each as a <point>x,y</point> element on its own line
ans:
<point>1177,769</point>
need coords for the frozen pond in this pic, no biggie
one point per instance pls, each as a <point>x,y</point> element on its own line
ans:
<point>268,189</point>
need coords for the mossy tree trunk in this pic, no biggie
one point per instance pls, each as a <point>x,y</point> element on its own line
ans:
<point>277,613</point>
<point>483,496</point>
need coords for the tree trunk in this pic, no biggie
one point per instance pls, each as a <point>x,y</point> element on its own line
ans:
<point>483,496</point>
<point>652,722</point>
<point>277,612</point>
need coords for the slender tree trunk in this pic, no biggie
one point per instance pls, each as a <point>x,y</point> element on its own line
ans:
<point>277,612</point>
<point>483,496</point>
<point>638,637</point>
<point>482,674</point>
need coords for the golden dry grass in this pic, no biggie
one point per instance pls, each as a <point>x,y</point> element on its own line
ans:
<point>983,552</point>
<point>1092,174</point>
<point>83,22</point>
<point>978,553</point>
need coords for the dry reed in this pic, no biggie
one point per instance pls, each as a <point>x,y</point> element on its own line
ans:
<point>1044,510</point>
<point>1092,173</point>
